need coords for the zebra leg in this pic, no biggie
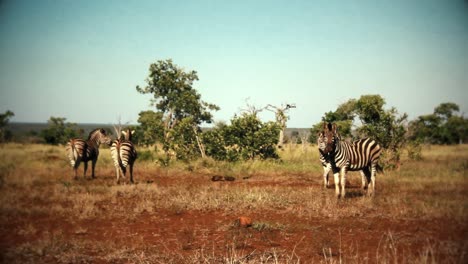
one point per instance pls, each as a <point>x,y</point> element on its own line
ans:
<point>326,170</point>
<point>343,182</point>
<point>75,167</point>
<point>117,173</point>
<point>93,166</point>
<point>366,177</point>
<point>336,175</point>
<point>131,173</point>
<point>123,171</point>
<point>85,168</point>
<point>373,172</point>
<point>363,180</point>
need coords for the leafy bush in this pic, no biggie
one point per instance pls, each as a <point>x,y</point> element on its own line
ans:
<point>444,126</point>
<point>59,132</point>
<point>246,138</point>
<point>5,134</point>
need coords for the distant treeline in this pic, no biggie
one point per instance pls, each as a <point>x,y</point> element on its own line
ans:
<point>27,132</point>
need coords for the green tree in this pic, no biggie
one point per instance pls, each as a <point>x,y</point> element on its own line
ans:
<point>444,126</point>
<point>246,138</point>
<point>446,110</point>
<point>215,144</point>
<point>456,130</point>
<point>5,134</point>
<point>59,131</point>
<point>425,129</point>
<point>151,129</point>
<point>175,99</point>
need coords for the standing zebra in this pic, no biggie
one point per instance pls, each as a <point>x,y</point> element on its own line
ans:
<point>362,154</point>
<point>79,150</point>
<point>327,167</point>
<point>124,154</point>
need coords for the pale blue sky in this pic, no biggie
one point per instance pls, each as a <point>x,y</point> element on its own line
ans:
<point>82,59</point>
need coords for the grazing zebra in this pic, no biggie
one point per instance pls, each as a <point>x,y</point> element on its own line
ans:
<point>327,167</point>
<point>79,150</point>
<point>362,154</point>
<point>124,154</point>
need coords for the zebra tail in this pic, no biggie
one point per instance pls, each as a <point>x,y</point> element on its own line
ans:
<point>379,169</point>
<point>118,157</point>
<point>72,153</point>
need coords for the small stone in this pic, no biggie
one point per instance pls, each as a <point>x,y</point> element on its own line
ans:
<point>217,178</point>
<point>244,221</point>
<point>229,178</point>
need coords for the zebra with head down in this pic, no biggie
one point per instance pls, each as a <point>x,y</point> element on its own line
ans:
<point>362,154</point>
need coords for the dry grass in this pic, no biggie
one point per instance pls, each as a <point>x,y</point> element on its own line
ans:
<point>285,198</point>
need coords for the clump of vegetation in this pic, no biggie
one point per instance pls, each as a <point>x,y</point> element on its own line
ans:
<point>5,134</point>
<point>246,138</point>
<point>444,126</point>
<point>180,110</point>
<point>59,131</point>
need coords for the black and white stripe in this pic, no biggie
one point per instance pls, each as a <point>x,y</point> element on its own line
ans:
<point>362,154</point>
<point>327,167</point>
<point>124,154</point>
<point>79,150</point>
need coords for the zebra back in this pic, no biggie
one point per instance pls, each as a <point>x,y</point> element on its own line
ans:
<point>357,155</point>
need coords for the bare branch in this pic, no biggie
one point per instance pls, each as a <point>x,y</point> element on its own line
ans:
<point>251,109</point>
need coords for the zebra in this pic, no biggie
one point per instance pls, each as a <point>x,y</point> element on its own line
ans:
<point>79,150</point>
<point>362,154</point>
<point>327,167</point>
<point>124,154</point>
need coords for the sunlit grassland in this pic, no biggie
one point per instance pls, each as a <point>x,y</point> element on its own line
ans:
<point>434,186</point>
<point>36,181</point>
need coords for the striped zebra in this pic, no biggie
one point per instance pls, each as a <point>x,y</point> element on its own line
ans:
<point>362,154</point>
<point>79,150</point>
<point>124,154</point>
<point>327,167</point>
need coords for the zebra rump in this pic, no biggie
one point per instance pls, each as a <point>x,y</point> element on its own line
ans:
<point>124,154</point>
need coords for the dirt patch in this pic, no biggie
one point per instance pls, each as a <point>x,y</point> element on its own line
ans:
<point>189,234</point>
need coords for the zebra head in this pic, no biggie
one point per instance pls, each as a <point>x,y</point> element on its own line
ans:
<point>100,137</point>
<point>327,138</point>
<point>127,133</point>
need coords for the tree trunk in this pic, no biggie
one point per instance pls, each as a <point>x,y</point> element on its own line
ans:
<point>281,139</point>
<point>201,147</point>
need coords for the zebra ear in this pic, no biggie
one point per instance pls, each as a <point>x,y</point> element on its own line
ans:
<point>124,133</point>
<point>133,132</point>
<point>324,125</point>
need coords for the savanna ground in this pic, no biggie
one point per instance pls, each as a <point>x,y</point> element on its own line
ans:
<point>178,215</point>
